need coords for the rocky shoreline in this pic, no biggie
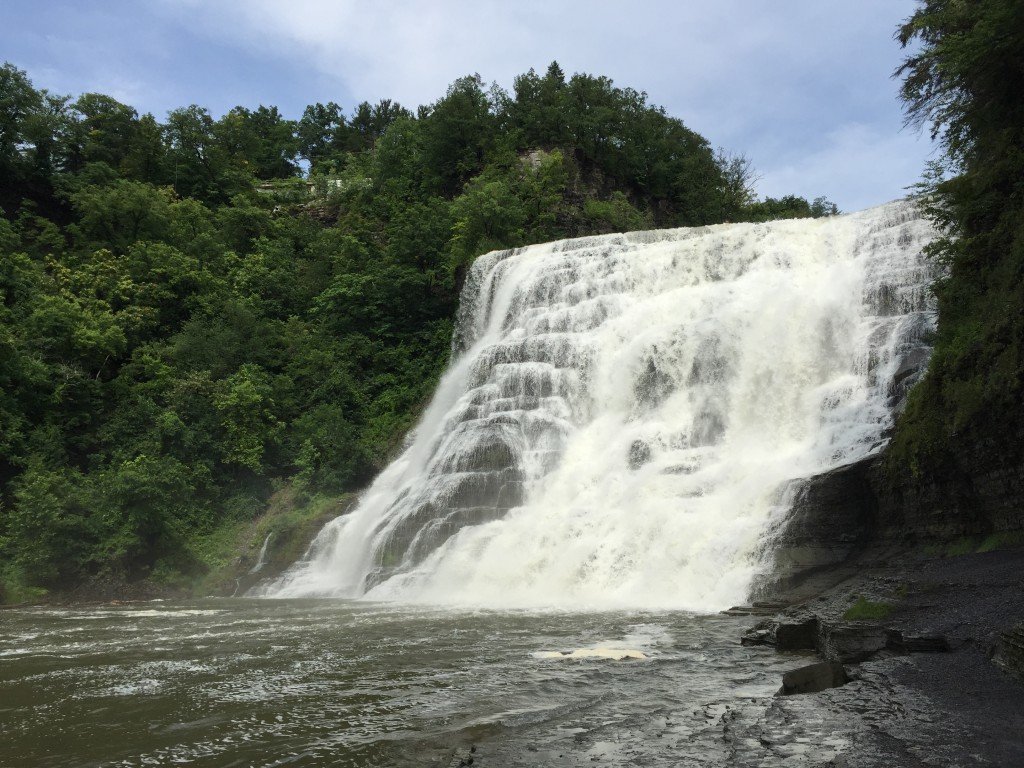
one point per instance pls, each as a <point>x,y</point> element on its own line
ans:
<point>922,662</point>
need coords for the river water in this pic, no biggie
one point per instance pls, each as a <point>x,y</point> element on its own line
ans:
<point>304,683</point>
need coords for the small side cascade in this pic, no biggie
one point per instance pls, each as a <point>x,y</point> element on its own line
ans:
<point>261,559</point>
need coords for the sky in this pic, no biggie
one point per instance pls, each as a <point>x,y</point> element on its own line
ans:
<point>803,88</point>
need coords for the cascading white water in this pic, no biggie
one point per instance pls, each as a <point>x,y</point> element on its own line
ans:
<point>622,411</point>
<point>261,558</point>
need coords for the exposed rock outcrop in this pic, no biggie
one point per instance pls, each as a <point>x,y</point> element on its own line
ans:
<point>851,642</point>
<point>846,642</point>
<point>980,494</point>
<point>833,517</point>
<point>837,515</point>
<point>799,633</point>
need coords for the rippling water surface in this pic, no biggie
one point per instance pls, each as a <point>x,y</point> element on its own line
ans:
<point>267,683</point>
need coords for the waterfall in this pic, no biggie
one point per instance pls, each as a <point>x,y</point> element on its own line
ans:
<point>261,559</point>
<point>622,412</point>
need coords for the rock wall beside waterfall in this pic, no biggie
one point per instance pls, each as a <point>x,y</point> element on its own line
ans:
<point>980,494</point>
<point>833,517</point>
<point>837,515</point>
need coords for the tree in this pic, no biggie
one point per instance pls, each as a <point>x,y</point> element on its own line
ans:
<point>739,178</point>
<point>144,160</point>
<point>964,82</point>
<point>487,215</point>
<point>786,207</point>
<point>198,165</point>
<point>321,133</point>
<point>246,407</point>
<point>457,134</point>
<point>103,130</point>
<point>19,101</point>
<point>538,111</point>
<point>121,213</point>
<point>369,122</point>
<point>260,142</point>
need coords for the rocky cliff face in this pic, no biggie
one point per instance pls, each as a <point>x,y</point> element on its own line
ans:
<point>839,514</point>
<point>833,517</point>
<point>982,492</point>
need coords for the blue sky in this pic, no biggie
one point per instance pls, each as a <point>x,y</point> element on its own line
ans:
<point>802,87</point>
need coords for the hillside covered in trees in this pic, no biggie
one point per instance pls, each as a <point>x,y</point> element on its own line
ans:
<point>958,453</point>
<point>198,312</point>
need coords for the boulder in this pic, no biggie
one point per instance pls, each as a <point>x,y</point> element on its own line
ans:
<point>814,678</point>
<point>797,634</point>
<point>793,633</point>
<point>639,454</point>
<point>851,642</point>
<point>760,634</point>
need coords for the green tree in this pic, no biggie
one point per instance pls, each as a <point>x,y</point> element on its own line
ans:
<point>48,529</point>
<point>261,142</point>
<point>121,213</point>
<point>963,79</point>
<point>458,131</point>
<point>19,101</point>
<point>102,130</point>
<point>369,122</point>
<point>321,134</point>
<point>144,159</point>
<point>538,111</point>
<point>198,164</point>
<point>487,215</point>
<point>246,407</point>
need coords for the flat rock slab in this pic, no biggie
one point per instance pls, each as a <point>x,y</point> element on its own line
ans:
<point>851,642</point>
<point>814,678</point>
<point>900,642</point>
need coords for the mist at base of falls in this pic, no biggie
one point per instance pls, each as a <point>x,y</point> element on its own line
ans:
<point>623,415</point>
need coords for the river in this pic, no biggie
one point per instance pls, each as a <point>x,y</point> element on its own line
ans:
<point>316,683</point>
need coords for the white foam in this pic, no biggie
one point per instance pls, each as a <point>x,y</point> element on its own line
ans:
<point>614,654</point>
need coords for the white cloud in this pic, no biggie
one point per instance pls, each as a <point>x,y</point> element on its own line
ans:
<point>410,49</point>
<point>868,167</point>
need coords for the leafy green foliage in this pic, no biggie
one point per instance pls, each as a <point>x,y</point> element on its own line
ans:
<point>965,81</point>
<point>186,328</point>
<point>867,610</point>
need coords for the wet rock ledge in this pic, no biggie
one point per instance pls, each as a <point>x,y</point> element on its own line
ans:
<point>914,606</point>
<point>923,654</point>
<point>846,642</point>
